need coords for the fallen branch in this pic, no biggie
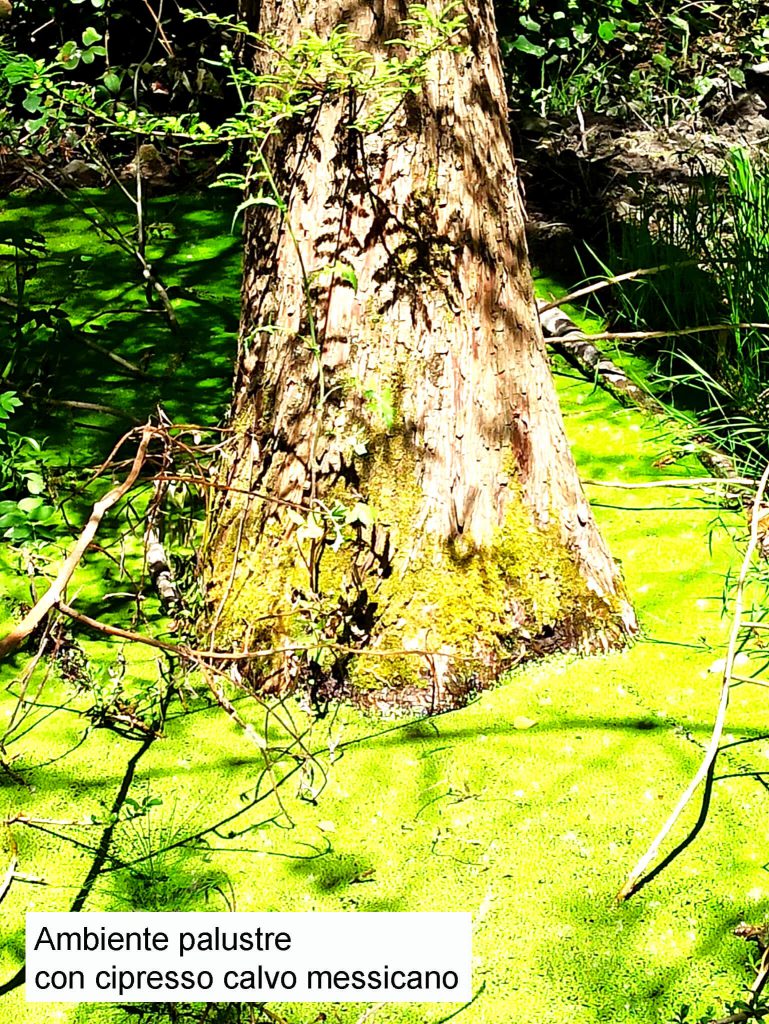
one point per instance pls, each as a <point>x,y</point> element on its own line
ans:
<point>160,571</point>
<point>579,349</point>
<point>54,595</point>
<point>636,879</point>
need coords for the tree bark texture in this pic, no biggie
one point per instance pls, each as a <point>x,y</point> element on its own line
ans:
<point>428,401</point>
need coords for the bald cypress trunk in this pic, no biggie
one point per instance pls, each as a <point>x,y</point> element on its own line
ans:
<point>414,516</point>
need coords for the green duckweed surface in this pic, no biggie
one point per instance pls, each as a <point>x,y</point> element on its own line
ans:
<point>531,829</point>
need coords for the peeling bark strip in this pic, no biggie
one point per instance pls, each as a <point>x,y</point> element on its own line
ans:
<point>430,400</point>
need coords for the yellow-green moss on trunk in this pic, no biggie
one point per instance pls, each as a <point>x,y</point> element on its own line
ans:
<point>421,611</point>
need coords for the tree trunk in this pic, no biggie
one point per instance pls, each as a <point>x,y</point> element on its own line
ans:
<point>414,521</point>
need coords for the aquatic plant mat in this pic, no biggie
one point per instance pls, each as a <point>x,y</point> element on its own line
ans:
<point>527,808</point>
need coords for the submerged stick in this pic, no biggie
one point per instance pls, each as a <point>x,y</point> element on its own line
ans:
<point>55,592</point>
<point>637,876</point>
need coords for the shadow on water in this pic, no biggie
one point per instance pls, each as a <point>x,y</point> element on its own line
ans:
<point>97,286</point>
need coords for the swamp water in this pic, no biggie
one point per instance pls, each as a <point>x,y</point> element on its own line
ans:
<point>526,808</point>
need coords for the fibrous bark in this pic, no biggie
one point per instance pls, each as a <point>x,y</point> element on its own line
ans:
<point>428,401</point>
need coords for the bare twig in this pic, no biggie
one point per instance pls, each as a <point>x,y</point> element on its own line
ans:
<point>695,481</point>
<point>274,1017</point>
<point>192,653</point>
<point>108,410</point>
<point>10,873</point>
<point>160,31</point>
<point>123,634</point>
<point>669,333</point>
<point>606,282</point>
<point>25,819</point>
<point>211,673</point>
<point>26,700</point>
<point>55,592</point>
<point>636,877</point>
<point>370,1012</point>
<point>564,335</point>
<point>749,679</point>
<point>741,1017</point>
<point>8,878</point>
<point>109,354</point>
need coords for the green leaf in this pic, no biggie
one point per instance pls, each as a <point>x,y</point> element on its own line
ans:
<point>662,61</point>
<point>348,275</point>
<point>35,483</point>
<point>90,36</point>
<point>607,30</point>
<point>42,514</point>
<point>255,201</point>
<point>69,55</point>
<point>32,101</point>
<point>8,402</point>
<point>529,23</point>
<point>17,71</point>
<point>30,504</point>
<point>679,23</point>
<point>35,124</point>
<point>524,45</point>
<point>112,82</point>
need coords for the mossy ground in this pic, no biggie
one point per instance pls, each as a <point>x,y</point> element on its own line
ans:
<point>532,829</point>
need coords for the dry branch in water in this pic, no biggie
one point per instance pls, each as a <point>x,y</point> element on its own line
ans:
<point>7,880</point>
<point>606,282</point>
<point>55,592</point>
<point>638,876</point>
<point>565,337</point>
